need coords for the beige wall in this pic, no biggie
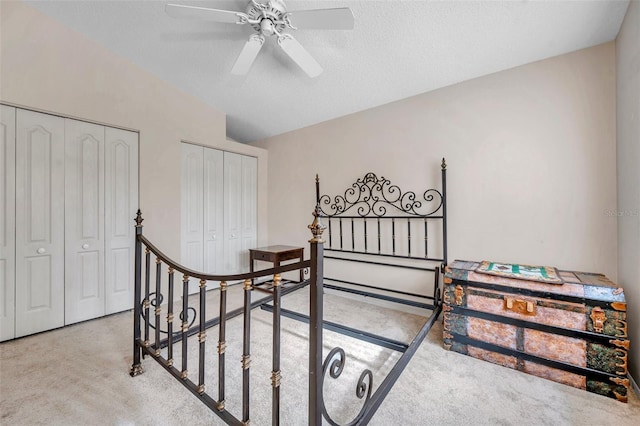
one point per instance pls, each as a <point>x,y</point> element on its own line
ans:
<point>531,154</point>
<point>628,134</point>
<point>49,67</point>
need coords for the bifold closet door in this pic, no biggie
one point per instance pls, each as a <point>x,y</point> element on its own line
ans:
<point>7,221</point>
<point>232,212</point>
<point>84,221</point>
<point>249,207</point>
<point>191,211</point>
<point>39,222</point>
<point>121,204</point>
<point>213,214</point>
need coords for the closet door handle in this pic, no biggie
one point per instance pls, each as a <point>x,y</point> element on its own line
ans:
<point>41,250</point>
<point>85,246</point>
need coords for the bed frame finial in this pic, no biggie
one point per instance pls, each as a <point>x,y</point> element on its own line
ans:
<point>138,219</point>
<point>317,228</point>
<point>444,164</point>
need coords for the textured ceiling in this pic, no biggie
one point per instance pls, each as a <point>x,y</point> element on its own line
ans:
<point>397,49</point>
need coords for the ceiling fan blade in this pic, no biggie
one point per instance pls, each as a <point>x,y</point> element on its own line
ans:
<point>299,54</point>
<point>248,55</point>
<point>193,12</point>
<point>340,18</point>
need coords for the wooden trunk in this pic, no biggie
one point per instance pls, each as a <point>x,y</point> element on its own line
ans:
<point>573,333</point>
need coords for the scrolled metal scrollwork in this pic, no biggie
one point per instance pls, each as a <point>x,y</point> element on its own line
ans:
<point>334,364</point>
<point>372,196</point>
<point>156,301</point>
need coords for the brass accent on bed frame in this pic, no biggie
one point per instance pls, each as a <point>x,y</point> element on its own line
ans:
<point>170,270</point>
<point>277,280</point>
<point>156,353</point>
<point>202,337</point>
<point>170,318</point>
<point>220,405</point>
<point>184,374</point>
<point>275,378</point>
<point>203,283</point>
<point>222,347</point>
<point>147,250</point>
<point>170,362</point>
<point>158,261</point>
<point>246,361</point>
<point>619,306</point>
<point>136,370</point>
<point>223,286</point>
<point>146,303</point>
<point>520,306</point>
<point>598,317</point>
<point>316,227</point>
<point>185,326</point>
<point>201,389</point>
<point>247,285</point>
<point>147,343</point>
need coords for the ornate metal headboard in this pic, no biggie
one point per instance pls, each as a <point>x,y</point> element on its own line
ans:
<point>373,201</point>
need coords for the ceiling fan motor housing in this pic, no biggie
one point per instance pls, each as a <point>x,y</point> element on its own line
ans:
<point>273,11</point>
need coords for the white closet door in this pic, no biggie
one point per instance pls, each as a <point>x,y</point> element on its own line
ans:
<point>7,221</point>
<point>191,209</point>
<point>249,208</point>
<point>84,221</point>
<point>213,211</point>
<point>121,204</point>
<point>39,222</point>
<point>232,212</point>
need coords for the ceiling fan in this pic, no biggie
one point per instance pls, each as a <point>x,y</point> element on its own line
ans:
<point>271,19</point>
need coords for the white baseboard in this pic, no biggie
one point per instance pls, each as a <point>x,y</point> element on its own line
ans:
<point>634,385</point>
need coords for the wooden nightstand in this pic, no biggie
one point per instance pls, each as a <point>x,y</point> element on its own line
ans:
<point>276,254</point>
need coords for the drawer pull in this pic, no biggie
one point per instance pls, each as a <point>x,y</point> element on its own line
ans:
<point>521,306</point>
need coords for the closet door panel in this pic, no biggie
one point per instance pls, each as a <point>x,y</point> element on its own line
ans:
<point>84,221</point>
<point>249,207</point>
<point>39,222</point>
<point>213,211</point>
<point>191,206</point>
<point>7,221</point>
<point>232,212</point>
<point>121,204</point>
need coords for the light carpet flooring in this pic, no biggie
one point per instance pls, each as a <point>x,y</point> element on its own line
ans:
<point>78,375</point>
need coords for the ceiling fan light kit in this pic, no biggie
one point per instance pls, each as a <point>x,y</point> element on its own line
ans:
<point>271,19</point>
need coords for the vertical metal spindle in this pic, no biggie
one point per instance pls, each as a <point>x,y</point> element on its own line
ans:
<point>379,249</point>
<point>147,302</point>
<point>340,219</point>
<point>246,351</point>
<point>170,320</point>
<point>444,211</point>
<point>222,345</point>
<point>275,373</point>
<point>393,235</point>
<point>136,366</point>
<point>329,220</point>
<point>365,234</point>
<point>353,238</point>
<point>426,239</point>
<point>315,323</point>
<point>409,236</point>
<point>158,309</point>
<point>202,336</point>
<point>185,324</point>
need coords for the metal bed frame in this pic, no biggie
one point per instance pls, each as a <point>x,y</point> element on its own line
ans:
<point>366,201</point>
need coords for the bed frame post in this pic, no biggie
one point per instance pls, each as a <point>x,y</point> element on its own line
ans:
<point>136,367</point>
<point>444,213</point>
<point>315,319</point>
